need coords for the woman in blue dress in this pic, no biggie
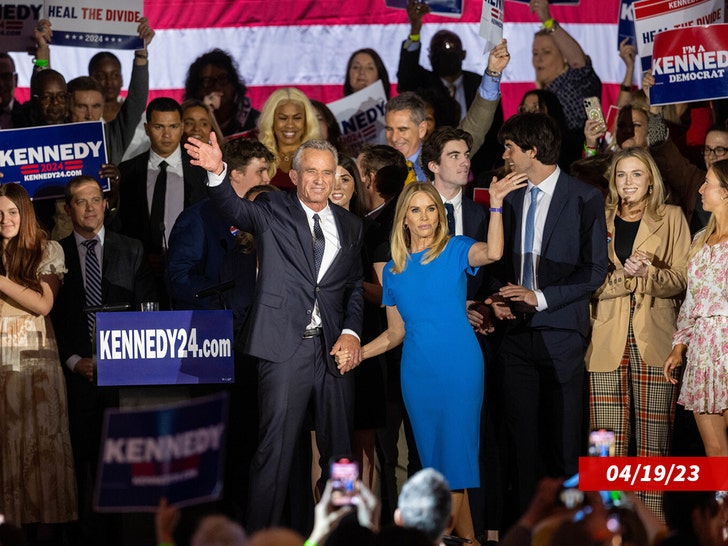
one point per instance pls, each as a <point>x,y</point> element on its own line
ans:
<point>442,365</point>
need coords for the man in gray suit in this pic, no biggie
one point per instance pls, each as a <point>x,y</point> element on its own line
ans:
<point>308,305</point>
<point>126,278</point>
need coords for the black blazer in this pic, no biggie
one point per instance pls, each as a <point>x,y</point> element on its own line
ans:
<point>286,287</point>
<point>132,218</point>
<point>125,278</point>
<point>411,76</point>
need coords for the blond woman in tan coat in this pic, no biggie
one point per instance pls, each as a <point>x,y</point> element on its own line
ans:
<point>635,310</point>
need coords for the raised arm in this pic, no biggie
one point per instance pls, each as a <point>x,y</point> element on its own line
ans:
<point>486,253</point>
<point>570,48</point>
<point>481,113</point>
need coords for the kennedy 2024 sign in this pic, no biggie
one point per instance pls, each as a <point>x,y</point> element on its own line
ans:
<point>173,451</point>
<point>44,159</point>
<point>690,64</point>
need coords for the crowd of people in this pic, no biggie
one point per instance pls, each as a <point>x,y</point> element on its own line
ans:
<point>589,290</point>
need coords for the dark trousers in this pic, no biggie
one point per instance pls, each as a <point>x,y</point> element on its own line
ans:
<point>284,392</point>
<point>543,380</point>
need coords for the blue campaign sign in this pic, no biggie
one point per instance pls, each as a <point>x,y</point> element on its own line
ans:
<point>174,451</point>
<point>625,26</point>
<point>690,64</point>
<point>107,24</point>
<point>164,348</point>
<point>44,159</point>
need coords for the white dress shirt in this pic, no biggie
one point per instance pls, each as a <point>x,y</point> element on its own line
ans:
<point>547,187</point>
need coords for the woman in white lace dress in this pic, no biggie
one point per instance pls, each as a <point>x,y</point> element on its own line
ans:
<point>37,483</point>
<point>702,325</point>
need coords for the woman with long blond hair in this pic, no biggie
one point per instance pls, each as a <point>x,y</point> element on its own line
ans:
<point>702,325</point>
<point>37,483</point>
<point>287,120</point>
<point>424,289</point>
<point>635,310</point>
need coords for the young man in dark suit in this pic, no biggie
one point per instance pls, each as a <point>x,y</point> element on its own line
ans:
<point>157,185</point>
<point>308,305</point>
<point>555,257</point>
<point>125,278</point>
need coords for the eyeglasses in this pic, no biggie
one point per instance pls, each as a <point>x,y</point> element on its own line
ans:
<point>7,76</point>
<point>717,151</point>
<point>47,98</point>
<point>209,83</point>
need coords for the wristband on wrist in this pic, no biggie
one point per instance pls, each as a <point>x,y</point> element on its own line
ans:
<point>589,151</point>
<point>551,24</point>
<point>165,544</point>
<point>41,63</point>
<point>493,73</point>
<point>414,37</point>
<point>138,55</point>
<point>625,88</point>
<point>499,210</point>
<point>309,543</point>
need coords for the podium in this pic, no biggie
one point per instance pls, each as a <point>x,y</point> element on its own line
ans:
<point>164,348</point>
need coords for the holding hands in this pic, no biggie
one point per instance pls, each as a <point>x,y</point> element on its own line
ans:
<point>637,265</point>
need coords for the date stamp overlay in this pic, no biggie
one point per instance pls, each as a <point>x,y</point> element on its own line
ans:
<point>653,473</point>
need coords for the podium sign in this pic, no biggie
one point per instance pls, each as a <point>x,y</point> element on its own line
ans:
<point>164,348</point>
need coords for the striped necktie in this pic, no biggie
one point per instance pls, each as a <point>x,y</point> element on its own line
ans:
<point>93,283</point>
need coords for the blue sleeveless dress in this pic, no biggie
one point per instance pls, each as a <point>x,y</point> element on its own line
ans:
<point>442,364</point>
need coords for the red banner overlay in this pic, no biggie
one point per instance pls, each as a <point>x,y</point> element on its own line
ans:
<point>653,473</point>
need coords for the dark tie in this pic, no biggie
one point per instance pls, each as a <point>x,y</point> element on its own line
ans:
<point>451,89</point>
<point>450,218</point>
<point>528,280</point>
<point>156,216</point>
<point>93,282</point>
<point>318,244</point>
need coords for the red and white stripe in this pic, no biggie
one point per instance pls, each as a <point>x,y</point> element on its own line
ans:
<point>306,43</point>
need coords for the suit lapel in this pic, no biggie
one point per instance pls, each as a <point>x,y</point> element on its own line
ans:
<point>558,202</point>
<point>301,225</point>
<point>518,197</point>
<point>648,228</point>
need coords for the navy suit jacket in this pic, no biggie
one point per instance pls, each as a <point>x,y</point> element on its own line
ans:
<point>203,253</point>
<point>573,262</point>
<point>133,216</point>
<point>286,288</point>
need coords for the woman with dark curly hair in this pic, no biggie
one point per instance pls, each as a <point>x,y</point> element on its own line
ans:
<point>214,78</point>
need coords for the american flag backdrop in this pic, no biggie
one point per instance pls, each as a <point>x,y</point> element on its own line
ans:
<point>306,43</point>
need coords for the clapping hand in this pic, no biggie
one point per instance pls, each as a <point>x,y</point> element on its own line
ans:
<point>637,265</point>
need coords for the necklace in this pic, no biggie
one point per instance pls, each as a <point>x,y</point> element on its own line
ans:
<point>285,158</point>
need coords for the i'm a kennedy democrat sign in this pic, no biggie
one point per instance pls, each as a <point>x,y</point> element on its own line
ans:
<point>44,159</point>
<point>690,64</point>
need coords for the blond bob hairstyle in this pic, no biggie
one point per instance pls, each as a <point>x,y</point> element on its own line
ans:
<point>401,239</point>
<point>656,190</point>
<point>267,117</point>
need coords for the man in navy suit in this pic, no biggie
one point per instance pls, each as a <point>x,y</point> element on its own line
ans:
<point>555,257</point>
<point>126,278</point>
<point>308,305</point>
